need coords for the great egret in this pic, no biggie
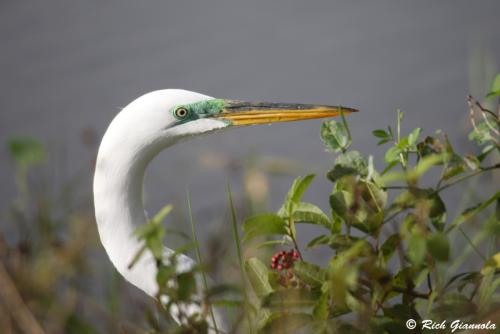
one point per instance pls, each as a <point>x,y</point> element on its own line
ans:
<point>136,135</point>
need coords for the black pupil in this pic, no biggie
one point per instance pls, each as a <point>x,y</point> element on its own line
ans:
<point>181,112</point>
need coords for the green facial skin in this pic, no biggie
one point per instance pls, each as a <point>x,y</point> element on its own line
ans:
<point>200,109</point>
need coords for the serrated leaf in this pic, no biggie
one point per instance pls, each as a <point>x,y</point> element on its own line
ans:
<point>263,224</point>
<point>257,274</point>
<point>311,214</point>
<point>299,187</point>
<point>309,273</point>
<point>294,195</point>
<point>271,243</point>
<point>319,240</point>
<point>320,310</point>
<point>285,322</point>
<point>287,298</point>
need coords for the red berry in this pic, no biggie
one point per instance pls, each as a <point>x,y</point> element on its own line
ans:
<point>286,265</point>
<point>273,265</point>
<point>280,267</point>
<point>295,254</point>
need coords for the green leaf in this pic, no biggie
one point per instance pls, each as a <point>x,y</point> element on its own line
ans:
<point>257,274</point>
<point>154,243</point>
<point>495,87</point>
<point>281,322</point>
<point>299,187</point>
<point>335,136</point>
<point>342,242</point>
<point>160,216</point>
<point>401,312</point>
<point>294,195</point>
<point>417,248</point>
<point>471,212</point>
<point>271,243</point>
<point>288,298</point>
<point>311,214</point>
<point>186,286</point>
<point>491,265</point>
<point>390,245</point>
<point>438,247</point>
<point>454,306</point>
<point>481,134</point>
<point>26,151</point>
<point>392,154</point>
<point>319,240</point>
<point>309,273</point>
<point>320,311</point>
<point>339,171</point>
<point>163,274</point>
<point>413,136</point>
<point>424,165</point>
<point>379,133</point>
<point>263,224</point>
<point>350,163</point>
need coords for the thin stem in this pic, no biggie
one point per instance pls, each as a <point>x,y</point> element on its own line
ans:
<point>292,236</point>
<point>465,177</point>
<point>395,187</point>
<point>345,124</point>
<point>429,282</point>
<point>412,293</point>
<point>238,251</point>
<point>198,255</point>
<point>14,302</point>
<point>471,243</point>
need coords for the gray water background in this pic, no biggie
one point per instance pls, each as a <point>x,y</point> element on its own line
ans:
<point>69,66</point>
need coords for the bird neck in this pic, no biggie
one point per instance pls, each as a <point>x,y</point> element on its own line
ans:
<point>119,209</point>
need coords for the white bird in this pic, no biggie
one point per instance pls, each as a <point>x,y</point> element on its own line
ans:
<point>136,135</point>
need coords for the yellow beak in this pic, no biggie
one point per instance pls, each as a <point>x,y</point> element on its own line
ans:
<point>250,113</point>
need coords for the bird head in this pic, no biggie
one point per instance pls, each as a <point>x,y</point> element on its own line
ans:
<point>162,117</point>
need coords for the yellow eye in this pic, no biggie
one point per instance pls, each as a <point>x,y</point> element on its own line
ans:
<point>181,112</point>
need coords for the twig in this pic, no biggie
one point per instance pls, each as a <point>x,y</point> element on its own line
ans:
<point>14,303</point>
<point>412,293</point>
<point>471,243</point>
<point>465,177</point>
<point>238,252</point>
<point>198,256</point>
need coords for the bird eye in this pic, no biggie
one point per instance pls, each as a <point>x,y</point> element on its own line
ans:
<point>181,112</point>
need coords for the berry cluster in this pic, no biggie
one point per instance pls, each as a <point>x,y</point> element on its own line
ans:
<point>284,260</point>
<point>283,263</point>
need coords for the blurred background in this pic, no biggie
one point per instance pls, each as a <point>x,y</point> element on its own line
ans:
<point>67,70</point>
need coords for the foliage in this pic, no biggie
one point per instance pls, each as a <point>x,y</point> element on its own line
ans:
<point>394,249</point>
<point>390,238</point>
